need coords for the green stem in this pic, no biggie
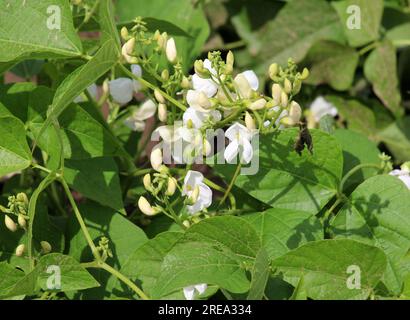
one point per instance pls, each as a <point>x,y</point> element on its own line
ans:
<point>223,190</point>
<point>153,87</point>
<point>368,48</point>
<point>231,184</point>
<point>333,207</point>
<point>124,279</point>
<point>353,171</point>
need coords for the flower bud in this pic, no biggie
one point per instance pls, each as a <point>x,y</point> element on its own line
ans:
<point>273,70</point>
<point>204,101</point>
<point>106,87</point>
<point>156,159</point>
<point>258,104</point>
<point>305,74</point>
<point>22,197</point>
<point>165,74</point>
<point>127,50</point>
<point>22,221</point>
<point>162,112</point>
<point>297,85</point>
<point>284,99</point>
<point>186,223</point>
<point>405,166</point>
<point>287,86</point>
<point>160,98</point>
<point>20,250</point>
<point>249,122</point>
<point>146,208</point>
<point>171,187</point>
<point>194,196</point>
<point>230,59</point>
<point>147,181</point>
<point>185,83</point>
<point>10,224</point>
<point>200,70</point>
<point>162,41</point>
<point>295,112</point>
<point>46,247</point>
<point>171,51</point>
<point>157,34</point>
<point>124,33</point>
<point>276,93</point>
<point>207,148</point>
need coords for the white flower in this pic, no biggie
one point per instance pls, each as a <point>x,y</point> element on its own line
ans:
<point>189,292</point>
<point>136,120</point>
<point>122,89</point>
<point>198,100</point>
<point>403,175</point>
<point>92,90</point>
<point>320,107</point>
<point>192,180</point>
<point>246,82</point>
<point>240,138</point>
<point>171,50</point>
<point>207,86</point>
<point>197,118</point>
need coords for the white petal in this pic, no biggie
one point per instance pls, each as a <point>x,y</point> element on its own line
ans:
<point>147,110</point>
<point>205,195</point>
<point>403,175</point>
<point>208,65</point>
<point>121,90</point>
<point>207,86</point>
<point>92,90</point>
<point>201,288</point>
<point>192,178</point>
<point>195,116</point>
<point>320,107</point>
<point>134,124</point>
<point>189,292</point>
<point>136,70</point>
<point>247,151</point>
<point>238,132</point>
<point>252,79</point>
<point>243,86</point>
<point>231,151</point>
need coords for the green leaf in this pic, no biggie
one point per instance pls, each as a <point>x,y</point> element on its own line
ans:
<point>362,151</point>
<point>380,69</point>
<point>144,264</point>
<point>287,180</point>
<point>282,230</point>
<point>73,276</point>
<point>27,69</point>
<point>324,267</point>
<point>400,35</point>
<point>15,154</point>
<point>182,13</point>
<point>107,23</point>
<point>11,277</point>
<point>125,237</point>
<point>295,28</point>
<point>260,276</point>
<point>368,20</point>
<point>97,179</point>
<point>80,80</point>
<point>216,251</point>
<point>358,117</point>
<point>332,63</point>
<point>377,214</point>
<point>397,138</point>
<point>24,31</point>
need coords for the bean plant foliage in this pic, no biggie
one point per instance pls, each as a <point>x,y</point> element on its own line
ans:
<point>204,149</point>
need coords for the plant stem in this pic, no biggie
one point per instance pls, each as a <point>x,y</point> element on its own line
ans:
<point>124,279</point>
<point>223,190</point>
<point>354,170</point>
<point>231,184</point>
<point>153,87</point>
<point>368,48</point>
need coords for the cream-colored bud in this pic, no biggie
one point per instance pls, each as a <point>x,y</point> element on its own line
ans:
<point>124,33</point>
<point>204,101</point>
<point>46,246</point>
<point>194,195</point>
<point>160,98</point>
<point>171,51</point>
<point>147,181</point>
<point>165,74</point>
<point>162,42</point>
<point>22,221</point>
<point>287,86</point>
<point>186,223</point>
<point>258,104</point>
<point>284,99</point>
<point>20,250</point>
<point>127,50</point>
<point>273,70</point>
<point>106,87</point>
<point>305,74</point>
<point>200,70</point>
<point>157,34</point>
<point>276,93</point>
<point>185,83</point>
<point>156,159</point>
<point>230,59</point>
<point>22,197</point>
<point>249,121</point>
<point>171,186</point>
<point>162,112</point>
<point>297,85</point>
<point>10,224</point>
<point>207,148</point>
<point>295,112</point>
<point>146,207</point>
